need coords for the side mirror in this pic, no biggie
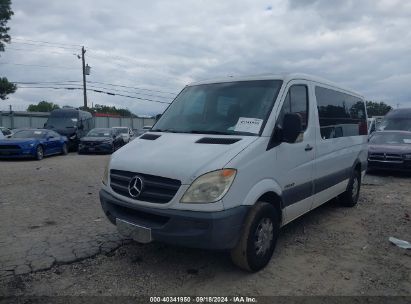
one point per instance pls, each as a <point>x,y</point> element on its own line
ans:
<point>81,127</point>
<point>45,124</point>
<point>49,137</point>
<point>291,127</point>
<point>158,116</point>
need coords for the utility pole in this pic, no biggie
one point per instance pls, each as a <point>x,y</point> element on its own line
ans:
<point>83,51</point>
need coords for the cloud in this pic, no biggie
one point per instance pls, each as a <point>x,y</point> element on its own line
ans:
<point>163,45</point>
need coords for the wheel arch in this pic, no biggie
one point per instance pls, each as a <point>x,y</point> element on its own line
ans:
<point>268,191</point>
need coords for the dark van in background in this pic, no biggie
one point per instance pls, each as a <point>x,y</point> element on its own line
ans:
<point>396,120</point>
<point>72,123</point>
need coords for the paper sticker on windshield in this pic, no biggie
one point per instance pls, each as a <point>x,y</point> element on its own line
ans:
<point>407,141</point>
<point>250,125</point>
<point>106,134</point>
<point>37,132</point>
<point>74,119</point>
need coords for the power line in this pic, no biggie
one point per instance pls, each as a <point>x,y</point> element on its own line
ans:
<point>40,82</point>
<point>42,45</point>
<point>137,88</point>
<point>40,51</point>
<point>75,82</point>
<point>40,66</point>
<point>125,91</point>
<point>46,42</point>
<point>98,91</point>
<point>93,83</point>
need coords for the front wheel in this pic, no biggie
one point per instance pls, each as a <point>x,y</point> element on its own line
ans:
<point>350,197</point>
<point>258,238</point>
<point>39,153</point>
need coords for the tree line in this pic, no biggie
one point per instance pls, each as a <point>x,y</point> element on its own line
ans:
<point>45,106</point>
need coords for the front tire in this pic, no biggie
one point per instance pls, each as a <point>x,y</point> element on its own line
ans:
<point>258,238</point>
<point>39,153</point>
<point>350,197</point>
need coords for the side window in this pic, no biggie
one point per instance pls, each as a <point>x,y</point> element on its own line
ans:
<point>340,114</point>
<point>296,102</point>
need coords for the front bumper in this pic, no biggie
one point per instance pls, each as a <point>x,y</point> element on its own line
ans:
<point>18,153</point>
<point>96,148</point>
<point>390,166</point>
<point>209,230</point>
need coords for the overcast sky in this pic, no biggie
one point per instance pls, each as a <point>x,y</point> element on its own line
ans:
<point>163,45</point>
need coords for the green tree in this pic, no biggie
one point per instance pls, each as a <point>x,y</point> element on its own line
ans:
<point>110,110</point>
<point>6,87</point>
<point>377,108</point>
<point>5,15</point>
<point>43,106</point>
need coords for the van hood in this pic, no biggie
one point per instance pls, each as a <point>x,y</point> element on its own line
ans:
<point>177,156</point>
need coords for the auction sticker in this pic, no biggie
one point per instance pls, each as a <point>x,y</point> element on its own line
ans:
<point>250,125</point>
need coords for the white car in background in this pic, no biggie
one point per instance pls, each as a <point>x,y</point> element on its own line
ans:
<point>5,132</point>
<point>126,133</point>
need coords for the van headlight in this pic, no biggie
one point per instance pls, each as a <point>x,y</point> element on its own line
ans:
<point>104,180</point>
<point>210,187</point>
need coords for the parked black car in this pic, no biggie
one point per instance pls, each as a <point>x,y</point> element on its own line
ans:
<point>101,140</point>
<point>390,150</point>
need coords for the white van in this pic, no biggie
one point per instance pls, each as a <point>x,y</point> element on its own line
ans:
<point>231,161</point>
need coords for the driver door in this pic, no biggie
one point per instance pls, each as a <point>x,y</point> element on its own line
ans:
<point>296,160</point>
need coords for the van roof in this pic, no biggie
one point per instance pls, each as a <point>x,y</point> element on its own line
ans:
<point>286,77</point>
<point>69,111</point>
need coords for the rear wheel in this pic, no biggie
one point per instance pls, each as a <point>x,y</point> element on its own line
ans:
<point>39,153</point>
<point>350,197</point>
<point>258,238</point>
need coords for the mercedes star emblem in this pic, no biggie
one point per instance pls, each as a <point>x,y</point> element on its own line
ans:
<point>135,187</point>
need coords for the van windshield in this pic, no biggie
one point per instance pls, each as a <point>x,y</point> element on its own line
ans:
<point>61,122</point>
<point>100,133</point>
<point>237,108</point>
<point>390,138</point>
<point>399,124</point>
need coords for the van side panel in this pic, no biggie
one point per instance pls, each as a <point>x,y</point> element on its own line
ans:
<point>335,158</point>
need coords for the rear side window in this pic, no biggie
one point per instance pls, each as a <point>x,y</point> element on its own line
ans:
<point>340,114</point>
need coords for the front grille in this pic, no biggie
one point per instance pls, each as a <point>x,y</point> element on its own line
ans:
<point>9,150</point>
<point>385,157</point>
<point>9,147</point>
<point>90,143</point>
<point>156,189</point>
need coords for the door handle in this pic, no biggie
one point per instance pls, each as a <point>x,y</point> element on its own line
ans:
<point>308,147</point>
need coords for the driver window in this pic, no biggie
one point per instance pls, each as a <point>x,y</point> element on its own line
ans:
<point>296,102</point>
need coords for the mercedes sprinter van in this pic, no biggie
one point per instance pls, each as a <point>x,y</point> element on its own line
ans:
<point>233,160</point>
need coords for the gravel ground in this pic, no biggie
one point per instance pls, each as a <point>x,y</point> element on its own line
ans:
<point>53,205</point>
<point>50,213</point>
